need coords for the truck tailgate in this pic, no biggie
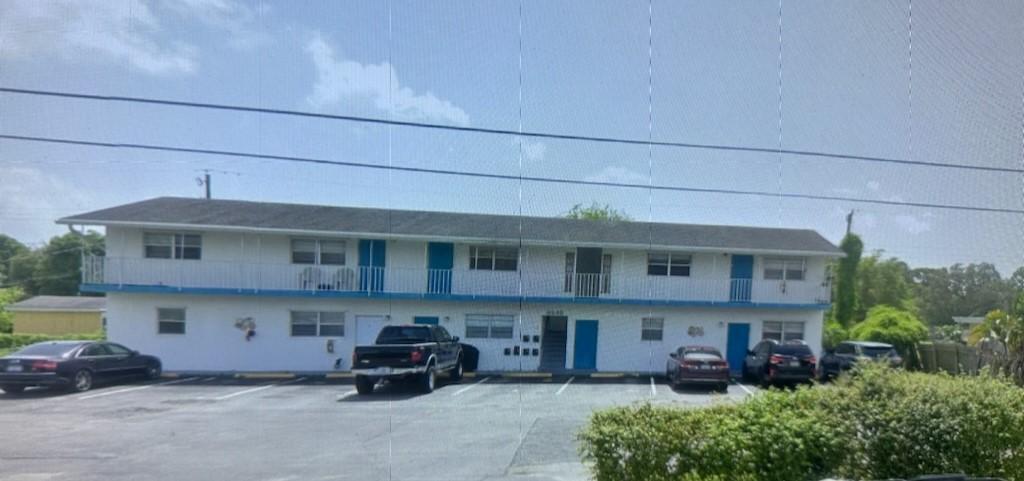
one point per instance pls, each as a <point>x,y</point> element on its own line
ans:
<point>387,355</point>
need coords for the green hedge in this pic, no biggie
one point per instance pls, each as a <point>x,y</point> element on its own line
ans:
<point>11,341</point>
<point>880,424</point>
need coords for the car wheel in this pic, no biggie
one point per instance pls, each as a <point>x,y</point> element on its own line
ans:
<point>457,370</point>
<point>12,389</point>
<point>364,385</point>
<point>81,381</point>
<point>723,388</point>
<point>762,380</point>
<point>428,380</point>
<point>153,371</point>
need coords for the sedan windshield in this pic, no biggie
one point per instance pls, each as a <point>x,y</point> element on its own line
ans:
<point>48,349</point>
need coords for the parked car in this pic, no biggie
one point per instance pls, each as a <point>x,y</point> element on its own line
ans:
<point>74,365</point>
<point>772,362</point>
<point>846,355</point>
<point>414,352</point>
<point>697,365</point>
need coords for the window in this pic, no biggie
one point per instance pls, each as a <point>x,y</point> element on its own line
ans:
<point>158,245</point>
<point>846,349</point>
<point>784,268</point>
<point>93,350</point>
<point>312,251</point>
<point>117,349</point>
<point>668,264</point>
<point>170,320</point>
<point>493,258</point>
<point>783,331</point>
<point>484,326</point>
<point>318,323</point>
<point>652,329</point>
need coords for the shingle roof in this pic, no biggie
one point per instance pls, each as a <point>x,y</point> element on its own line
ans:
<point>60,303</point>
<point>218,213</point>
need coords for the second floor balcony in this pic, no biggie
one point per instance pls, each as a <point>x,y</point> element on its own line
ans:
<point>112,273</point>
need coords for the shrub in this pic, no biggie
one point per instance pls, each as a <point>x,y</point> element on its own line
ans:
<point>13,341</point>
<point>879,424</point>
<point>893,326</point>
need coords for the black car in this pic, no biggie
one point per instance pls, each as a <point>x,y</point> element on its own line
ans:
<point>846,355</point>
<point>74,365</point>
<point>772,362</point>
<point>408,352</point>
<point>698,365</point>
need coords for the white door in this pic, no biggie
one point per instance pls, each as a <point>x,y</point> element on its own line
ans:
<point>367,328</point>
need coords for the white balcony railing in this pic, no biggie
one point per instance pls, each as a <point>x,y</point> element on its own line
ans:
<point>243,276</point>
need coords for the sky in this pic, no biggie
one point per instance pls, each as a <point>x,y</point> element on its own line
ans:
<point>844,77</point>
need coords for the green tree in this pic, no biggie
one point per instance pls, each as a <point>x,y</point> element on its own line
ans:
<point>893,326</point>
<point>960,290</point>
<point>8,296</point>
<point>845,286</point>
<point>596,212</point>
<point>1017,280</point>
<point>10,251</point>
<point>57,271</point>
<point>883,281</point>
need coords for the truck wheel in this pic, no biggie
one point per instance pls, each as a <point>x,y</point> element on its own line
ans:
<point>364,385</point>
<point>456,374</point>
<point>427,380</point>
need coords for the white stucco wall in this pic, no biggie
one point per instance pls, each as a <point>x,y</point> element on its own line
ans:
<point>212,343</point>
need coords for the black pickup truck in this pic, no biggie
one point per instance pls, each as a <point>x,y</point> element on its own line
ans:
<point>407,352</point>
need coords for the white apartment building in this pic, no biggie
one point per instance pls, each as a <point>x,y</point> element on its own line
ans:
<point>225,285</point>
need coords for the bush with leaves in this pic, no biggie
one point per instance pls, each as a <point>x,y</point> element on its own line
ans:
<point>893,326</point>
<point>880,423</point>
<point>14,341</point>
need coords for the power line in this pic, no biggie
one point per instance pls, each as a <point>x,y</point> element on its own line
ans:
<point>484,130</point>
<point>287,158</point>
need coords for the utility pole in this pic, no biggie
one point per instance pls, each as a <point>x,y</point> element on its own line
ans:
<point>849,220</point>
<point>206,182</point>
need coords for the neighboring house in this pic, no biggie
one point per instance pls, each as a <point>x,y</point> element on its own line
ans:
<point>187,279</point>
<point>967,324</point>
<point>58,315</point>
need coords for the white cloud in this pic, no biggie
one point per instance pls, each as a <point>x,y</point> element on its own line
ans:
<point>101,27</point>
<point>874,185</point>
<point>234,18</point>
<point>619,175</point>
<point>534,150</point>
<point>340,79</point>
<point>32,199</point>
<point>912,223</point>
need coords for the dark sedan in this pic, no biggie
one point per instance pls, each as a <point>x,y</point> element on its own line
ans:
<point>74,365</point>
<point>846,355</point>
<point>771,362</point>
<point>698,365</point>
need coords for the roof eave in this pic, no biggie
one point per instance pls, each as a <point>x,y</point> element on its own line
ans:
<point>466,239</point>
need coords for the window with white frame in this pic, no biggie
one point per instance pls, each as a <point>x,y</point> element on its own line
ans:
<point>169,245</point>
<point>318,323</point>
<point>315,251</point>
<point>484,258</point>
<point>170,320</point>
<point>489,326</point>
<point>668,264</point>
<point>782,331</point>
<point>784,268</point>
<point>652,329</point>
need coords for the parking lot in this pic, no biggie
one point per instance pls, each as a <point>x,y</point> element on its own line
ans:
<point>485,428</point>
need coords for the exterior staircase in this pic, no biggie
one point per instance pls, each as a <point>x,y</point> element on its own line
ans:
<point>552,351</point>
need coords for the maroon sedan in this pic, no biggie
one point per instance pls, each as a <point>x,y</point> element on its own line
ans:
<point>698,365</point>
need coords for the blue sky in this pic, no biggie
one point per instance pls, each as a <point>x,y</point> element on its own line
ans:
<point>583,69</point>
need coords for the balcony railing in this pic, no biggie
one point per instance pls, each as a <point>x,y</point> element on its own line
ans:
<point>255,277</point>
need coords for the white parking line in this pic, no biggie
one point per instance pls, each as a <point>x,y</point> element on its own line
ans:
<point>256,389</point>
<point>654,390</point>
<point>559,393</point>
<point>471,386</point>
<point>343,396</point>
<point>207,379</point>
<point>137,388</point>
<point>745,388</point>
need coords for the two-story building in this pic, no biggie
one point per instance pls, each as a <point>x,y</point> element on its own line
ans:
<point>224,285</point>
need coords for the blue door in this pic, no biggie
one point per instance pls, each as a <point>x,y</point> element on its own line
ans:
<point>736,347</point>
<point>440,258</point>
<point>424,320</point>
<point>742,275</point>
<point>584,351</point>
<point>371,265</point>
